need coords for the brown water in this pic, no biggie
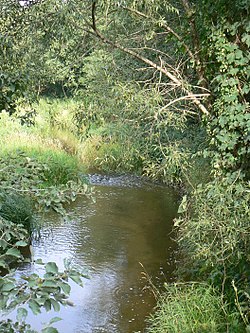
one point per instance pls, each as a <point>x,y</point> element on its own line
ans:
<point>126,228</point>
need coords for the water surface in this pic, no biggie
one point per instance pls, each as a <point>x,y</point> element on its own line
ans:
<point>124,234</point>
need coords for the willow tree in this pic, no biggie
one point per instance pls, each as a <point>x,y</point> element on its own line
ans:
<point>197,52</point>
<point>154,34</point>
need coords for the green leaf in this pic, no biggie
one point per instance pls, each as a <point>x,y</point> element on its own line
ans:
<point>47,305</point>
<point>14,253</point>
<point>65,287</point>
<point>76,279</point>
<point>21,243</point>
<point>49,330</point>
<point>3,264</point>
<point>21,314</point>
<point>56,305</point>
<point>32,283</point>
<point>183,206</point>
<point>246,39</point>
<point>54,320</point>
<point>34,306</point>
<point>7,287</point>
<point>51,267</point>
<point>50,284</point>
<point>39,261</point>
<point>3,244</point>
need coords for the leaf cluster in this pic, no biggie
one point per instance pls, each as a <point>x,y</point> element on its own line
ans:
<point>13,237</point>
<point>23,175</point>
<point>49,291</point>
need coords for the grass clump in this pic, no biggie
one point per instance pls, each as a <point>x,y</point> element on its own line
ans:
<point>16,208</point>
<point>60,166</point>
<point>190,308</point>
<point>46,141</point>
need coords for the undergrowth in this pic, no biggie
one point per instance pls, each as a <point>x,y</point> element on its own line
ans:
<point>191,308</point>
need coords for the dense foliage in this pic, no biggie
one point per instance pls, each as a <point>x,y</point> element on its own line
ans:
<point>160,88</point>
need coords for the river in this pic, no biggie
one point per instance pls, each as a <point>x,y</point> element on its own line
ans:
<point>123,239</point>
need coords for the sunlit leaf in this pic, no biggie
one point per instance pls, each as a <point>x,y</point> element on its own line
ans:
<point>34,306</point>
<point>13,252</point>
<point>76,279</point>
<point>56,305</point>
<point>7,287</point>
<point>47,305</point>
<point>65,287</point>
<point>54,320</point>
<point>51,267</point>
<point>21,243</point>
<point>50,284</point>
<point>21,314</point>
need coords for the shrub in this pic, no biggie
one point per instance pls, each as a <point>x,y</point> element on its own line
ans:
<point>215,239</point>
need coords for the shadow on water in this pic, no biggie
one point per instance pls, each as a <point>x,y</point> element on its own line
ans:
<point>125,228</point>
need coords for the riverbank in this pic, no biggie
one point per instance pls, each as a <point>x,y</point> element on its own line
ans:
<point>62,142</point>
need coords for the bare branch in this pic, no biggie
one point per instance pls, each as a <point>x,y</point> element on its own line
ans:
<point>188,97</point>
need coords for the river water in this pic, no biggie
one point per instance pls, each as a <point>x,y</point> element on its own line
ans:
<point>123,240</point>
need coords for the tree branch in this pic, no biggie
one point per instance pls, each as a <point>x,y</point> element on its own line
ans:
<point>163,70</point>
<point>166,27</point>
<point>196,43</point>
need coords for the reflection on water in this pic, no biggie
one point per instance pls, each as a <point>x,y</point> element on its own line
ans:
<point>125,229</point>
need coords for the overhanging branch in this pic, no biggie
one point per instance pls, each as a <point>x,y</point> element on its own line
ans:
<point>166,27</point>
<point>180,83</point>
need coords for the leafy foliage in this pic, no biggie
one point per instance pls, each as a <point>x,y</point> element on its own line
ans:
<point>21,175</point>
<point>13,79</point>
<point>48,291</point>
<point>140,110</point>
<point>25,175</point>
<point>231,122</point>
<point>13,237</point>
<point>15,327</point>
<point>215,240</point>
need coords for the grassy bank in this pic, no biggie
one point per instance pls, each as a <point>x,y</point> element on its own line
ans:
<point>34,160</point>
<point>102,141</point>
<point>191,307</point>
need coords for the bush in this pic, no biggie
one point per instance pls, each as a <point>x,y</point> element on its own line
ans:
<point>215,239</point>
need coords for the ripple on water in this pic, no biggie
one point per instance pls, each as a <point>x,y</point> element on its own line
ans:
<point>125,226</point>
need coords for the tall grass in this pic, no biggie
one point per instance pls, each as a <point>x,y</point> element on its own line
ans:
<point>191,308</point>
<point>60,155</point>
<point>16,208</point>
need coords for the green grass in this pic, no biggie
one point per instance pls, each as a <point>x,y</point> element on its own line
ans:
<point>62,167</point>
<point>53,146</point>
<point>110,146</point>
<point>16,208</point>
<point>191,308</point>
